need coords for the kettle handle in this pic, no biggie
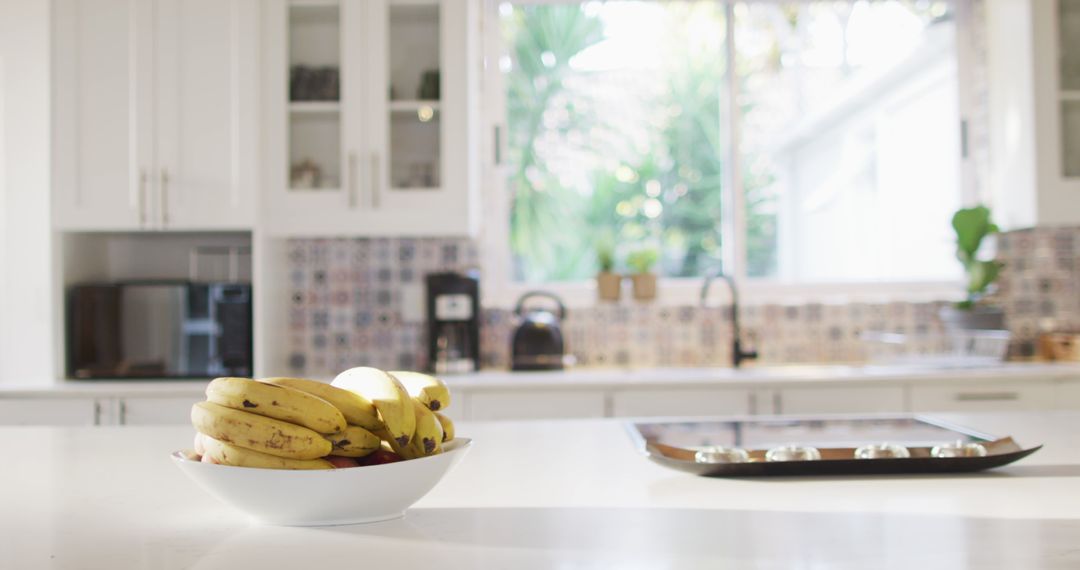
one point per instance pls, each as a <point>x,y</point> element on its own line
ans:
<point>519,310</point>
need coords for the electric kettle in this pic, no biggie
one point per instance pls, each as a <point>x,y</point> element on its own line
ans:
<point>538,340</point>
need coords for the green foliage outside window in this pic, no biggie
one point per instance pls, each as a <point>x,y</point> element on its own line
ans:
<point>663,191</point>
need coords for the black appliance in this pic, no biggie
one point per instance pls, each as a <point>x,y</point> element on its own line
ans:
<point>453,318</point>
<point>160,329</point>
<point>538,340</point>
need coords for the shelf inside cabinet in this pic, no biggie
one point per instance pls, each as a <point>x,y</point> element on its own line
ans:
<point>1070,95</point>
<point>315,106</point>
<point>414,188</point>
<point>314,3</point>
<point>406,106</point>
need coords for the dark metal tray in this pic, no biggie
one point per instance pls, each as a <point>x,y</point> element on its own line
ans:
<point>673,444</point>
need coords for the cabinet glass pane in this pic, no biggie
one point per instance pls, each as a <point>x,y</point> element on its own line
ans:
<point>314,97</point>
<point>414,94</point>
<point>1069,37</point>
<point>1070,134</point>
<point>414,148</point>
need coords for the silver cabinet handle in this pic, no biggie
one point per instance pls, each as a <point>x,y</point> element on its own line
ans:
<point>164,196</point>
<point>753,403</point>
<point>142,198</point>
<point>97,412</point>
<point>352,180</point>
<point>123,412</point>
<point>778,403</point>
<point>987,396</point>
<point>375,182</point>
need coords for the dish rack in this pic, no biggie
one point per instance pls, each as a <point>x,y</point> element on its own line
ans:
<point>950,348</point>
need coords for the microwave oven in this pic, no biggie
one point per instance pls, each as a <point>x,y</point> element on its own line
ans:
<point>159,329</point>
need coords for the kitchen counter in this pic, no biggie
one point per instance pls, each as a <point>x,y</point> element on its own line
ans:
<point>548,494</point>
<point>601,378</point>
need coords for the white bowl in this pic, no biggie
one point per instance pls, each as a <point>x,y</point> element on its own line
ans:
<point>325,497</point>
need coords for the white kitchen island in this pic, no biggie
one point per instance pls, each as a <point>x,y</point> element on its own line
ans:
<point>547,494</point>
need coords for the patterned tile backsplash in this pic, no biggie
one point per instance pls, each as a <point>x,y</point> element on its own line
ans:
<point>1039,288</point>
<point>346,299</point>
<point>346,310</point>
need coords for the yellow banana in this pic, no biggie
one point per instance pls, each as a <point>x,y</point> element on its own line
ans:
<point>357,409</point>
<point>259,433</point>
<point>228,454</point>
<point>428,437</point>
<point>431,391</point>
<point>447,426</point>
<point>388,396</point>
<point>278,402</point>
<point>354,441</point>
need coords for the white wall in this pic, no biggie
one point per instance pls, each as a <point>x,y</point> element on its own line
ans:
<point>26,288</point>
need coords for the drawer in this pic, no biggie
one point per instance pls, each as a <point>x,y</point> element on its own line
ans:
<point>997,396</point>
<point>838,400</point>
<point>49,412</point>
<point>676,402</point>
<point>535,404</point>
<point>153,410</point>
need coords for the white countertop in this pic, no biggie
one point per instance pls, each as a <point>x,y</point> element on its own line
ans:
<point>568,494</point>
<point>608,378</point>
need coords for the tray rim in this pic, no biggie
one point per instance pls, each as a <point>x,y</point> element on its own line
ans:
<point>829,467</point>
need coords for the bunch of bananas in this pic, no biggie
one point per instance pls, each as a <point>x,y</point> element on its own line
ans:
<point>365,416</point>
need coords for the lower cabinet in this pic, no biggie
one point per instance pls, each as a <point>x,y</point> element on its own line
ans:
<point>51,411</point>
<point>534,405</point>
<point>984,396</point>
<point>680,402</point>
<point>90,411</point>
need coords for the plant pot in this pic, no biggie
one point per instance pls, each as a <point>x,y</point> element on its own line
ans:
<point>608,286</point>
<point>977,318</point>
<point>644,286</point>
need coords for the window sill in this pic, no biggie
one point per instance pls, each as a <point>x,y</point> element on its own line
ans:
<point>687,292</point>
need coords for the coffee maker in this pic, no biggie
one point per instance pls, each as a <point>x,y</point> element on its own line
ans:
<point>453,322</point>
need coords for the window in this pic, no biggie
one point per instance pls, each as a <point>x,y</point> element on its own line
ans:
<point>830,155</point>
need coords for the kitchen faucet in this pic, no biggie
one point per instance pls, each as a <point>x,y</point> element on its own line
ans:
<point>737,353</point>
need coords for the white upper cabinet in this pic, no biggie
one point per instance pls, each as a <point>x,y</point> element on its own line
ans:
<point>207,113</point>
<point>371,117</point>
<point>155,114</point>
<point>1033,104</point>
<point>102,114</point>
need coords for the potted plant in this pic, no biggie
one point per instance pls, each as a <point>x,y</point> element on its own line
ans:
<point>972,225</point>
<point>643,279</point>
<point>608,283</point>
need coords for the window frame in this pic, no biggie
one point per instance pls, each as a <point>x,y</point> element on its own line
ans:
<point>501,290</point>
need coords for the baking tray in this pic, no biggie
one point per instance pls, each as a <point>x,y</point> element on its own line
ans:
<point>673,443</point>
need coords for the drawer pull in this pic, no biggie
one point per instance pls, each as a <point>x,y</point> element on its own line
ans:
<point>987,397</point>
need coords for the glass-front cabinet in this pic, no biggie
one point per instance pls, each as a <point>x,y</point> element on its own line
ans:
<point>368,126</point>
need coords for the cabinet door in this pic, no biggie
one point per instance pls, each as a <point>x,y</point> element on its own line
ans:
<point>535,404</point>
<point>423,146</point>
<point>839,400</point>
<point>984,396</point>
<point>102,131</point>
<point>313,130</point>
<point>155,410</point>
<point>50,411</point>
<point>680,402</point>
<point>207,131</point>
